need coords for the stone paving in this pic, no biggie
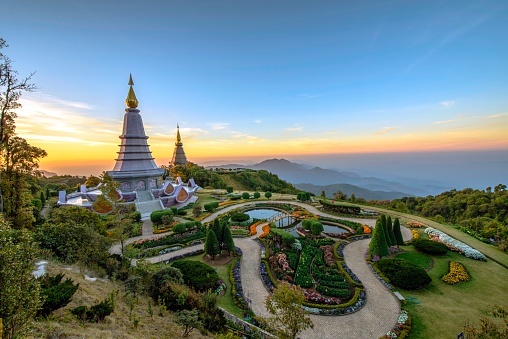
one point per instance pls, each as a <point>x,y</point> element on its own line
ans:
<point>374,319</point>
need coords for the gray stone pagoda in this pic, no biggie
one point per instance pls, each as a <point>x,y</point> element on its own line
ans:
<point>135,168</point>
<point>179,157</point>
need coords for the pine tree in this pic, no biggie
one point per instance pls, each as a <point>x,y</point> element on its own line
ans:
<point>397,233</point>
<point>385,229</point>
<point>211,244</point>
<point>229,243</point>
<point>378,245</point>
<point>217,228</point>
<point>389,226</point>
<point>43,199</point>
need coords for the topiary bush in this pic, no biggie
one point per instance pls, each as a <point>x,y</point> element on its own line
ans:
<point>239,217</point>
<point>429,246</point>
<point>404,274</point>
<point>211,206</point>
<point>156,216</point>
<point>196,274</point>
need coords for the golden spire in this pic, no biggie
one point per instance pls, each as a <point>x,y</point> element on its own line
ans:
<point>131,100</point>
<point>178,139</point>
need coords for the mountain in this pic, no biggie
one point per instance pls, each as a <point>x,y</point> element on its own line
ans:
<point>350,189</point>
<point>47,174</point>
<point>299,174</point>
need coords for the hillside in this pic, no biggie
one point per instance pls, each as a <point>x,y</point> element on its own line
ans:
<point>348,190</point>
<point>249,180</point>
<point>117,325</point>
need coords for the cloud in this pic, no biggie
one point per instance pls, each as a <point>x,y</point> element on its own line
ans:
<point>246,137</point>
<point>385,130</point>
<point>447,103</point>
<point>258,121</point>
<point>52,100</point>
<point>294,129</point>
<point>217,126</point>
<point>444,122</point>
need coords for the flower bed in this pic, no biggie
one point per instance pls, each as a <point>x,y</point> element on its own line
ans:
<point>366,229</point>
<point>266,230</point>
<point>382,279</point>
<point>457,273</point>
<point>415,224</point>
<point>455,244</point>
<point>402,327</point>
<point>416,235</point>
<point>339,249</point>
<point>252,227</point>
<point>350,274</point>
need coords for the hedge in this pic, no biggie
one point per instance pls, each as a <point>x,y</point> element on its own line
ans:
<point>404,274</point>
<point>430,246</point>
<point>156,216</point>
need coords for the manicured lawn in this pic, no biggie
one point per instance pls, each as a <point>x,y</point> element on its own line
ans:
<point>443,308</point>
<point>416,258</point>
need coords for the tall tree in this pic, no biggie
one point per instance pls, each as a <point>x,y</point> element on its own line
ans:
<point>211,244</point>
<point>378,245</point>
<point>217,229</point>
<point>229,243</point>
<point>397,233</point>
<point>12,89</point>
<point>389,227</point>
<point>289,318</point>
<point>19,290</point>
<point>385,229</point>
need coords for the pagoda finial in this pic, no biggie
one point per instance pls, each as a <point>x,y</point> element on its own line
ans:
<point>131,100</point>
<point>178,139</point>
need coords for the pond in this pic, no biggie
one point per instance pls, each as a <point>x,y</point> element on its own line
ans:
<point>288,224</point>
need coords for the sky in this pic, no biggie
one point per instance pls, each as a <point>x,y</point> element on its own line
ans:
<point>260,79</point>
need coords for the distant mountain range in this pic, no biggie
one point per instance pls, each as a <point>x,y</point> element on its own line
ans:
<point>316,179</point>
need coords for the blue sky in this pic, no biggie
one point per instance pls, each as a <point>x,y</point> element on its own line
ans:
<point>262,78</point>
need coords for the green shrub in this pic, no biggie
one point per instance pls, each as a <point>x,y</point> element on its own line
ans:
<point>57,293</point>
<point>245,195</point>
<point>136,216</point>
<point>181,212</point>
<point>316,228</point>
<point>334,292</point>
<point>430,246</point>
<point>179,228</point>
<point>197,274</point>
<point>240,217</point>
<point>211,206</point>
<point>95,313</point>
<point>404,274</point>
<point>156,216</point>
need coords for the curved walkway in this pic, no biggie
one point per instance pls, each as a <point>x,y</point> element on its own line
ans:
<point>377,316</point>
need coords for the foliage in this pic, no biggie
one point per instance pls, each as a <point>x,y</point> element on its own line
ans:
<point>229,189</point>
<point>378,245</point>
<point>55,293</point>
<point>212,247</point>
<point>97,312</point>
<point>229,243</point>
<point>202,177</point>
<point>429,246</point>
<point>316,228</point>
<point>196,274</point>
<point>156,216</point>
<point>211,206</point>
<point>170,240</point>
<point>245,195</point>
<point>257,195</point>
<point>339,208</point>
<point>282,237</point>
<point>487,328</point>
<point>391,234</point>
<point>397,232</point>
<point>289,319</point>
<point>77,215</point>
<point>162,278</point>
<point>303,196</point>
<point>239,217</point>
<point>268,195</point>
<point>19,290</point>
<point>262,180</point>
<point>404,274</point>
<point>189,319</point>
<point>480,213</point>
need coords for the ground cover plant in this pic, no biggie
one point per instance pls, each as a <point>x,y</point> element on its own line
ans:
<point>404,274</point>
<point>429,246</point>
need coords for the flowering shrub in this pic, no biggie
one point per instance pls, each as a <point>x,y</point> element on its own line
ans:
<point>455,244</point>
<point>456,274</point>
<point>266,230</point>
<point>328,255</point>
<point>416,235</point>
<point>253,228</point>
<point>366,229</point>
<point>415,224</point>
<point>402,327</point>
<point>227,202</point>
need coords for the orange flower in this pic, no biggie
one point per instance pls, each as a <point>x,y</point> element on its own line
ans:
<point>266,230</point>
<point>366,229</point>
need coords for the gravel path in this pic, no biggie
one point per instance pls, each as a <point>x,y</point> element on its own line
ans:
<point>377,316</point>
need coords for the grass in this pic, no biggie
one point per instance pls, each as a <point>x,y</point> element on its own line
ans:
<point>416,258</point>
<point>62,324</point>
<point>443,308</point>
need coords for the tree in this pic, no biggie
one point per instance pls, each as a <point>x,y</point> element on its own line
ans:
<point>352,198</point>
<point>197,210</point>
<point>268,195</point>
<point>385,229</point>
<point>189,319</point>
<point>323,194</point>
<point>19,290</point>
<point>316,228</point>
<point>211,244</point>
<point>397,233</point>
<point>42,198</point>
<point>285,304</point>
<point>389,227</point>
<point>19,161</point>
<point>245,195</point>
<point>257,195</point>
<point>229,189</point>
<point>339,196</point>
<point>12,89</point>
<point>92,181</point>
<point>229,243</point>
<point>217,228</point>
<point>378,245</point>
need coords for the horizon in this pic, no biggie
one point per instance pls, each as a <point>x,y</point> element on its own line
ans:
<point>288,80</point>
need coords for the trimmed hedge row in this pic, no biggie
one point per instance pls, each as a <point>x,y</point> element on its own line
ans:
<point>334,292</point>
<point>430,246</point>
<point>404,274</point>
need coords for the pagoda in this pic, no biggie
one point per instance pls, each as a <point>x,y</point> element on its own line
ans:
<point>179,157</point>
<point>135,168</point>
